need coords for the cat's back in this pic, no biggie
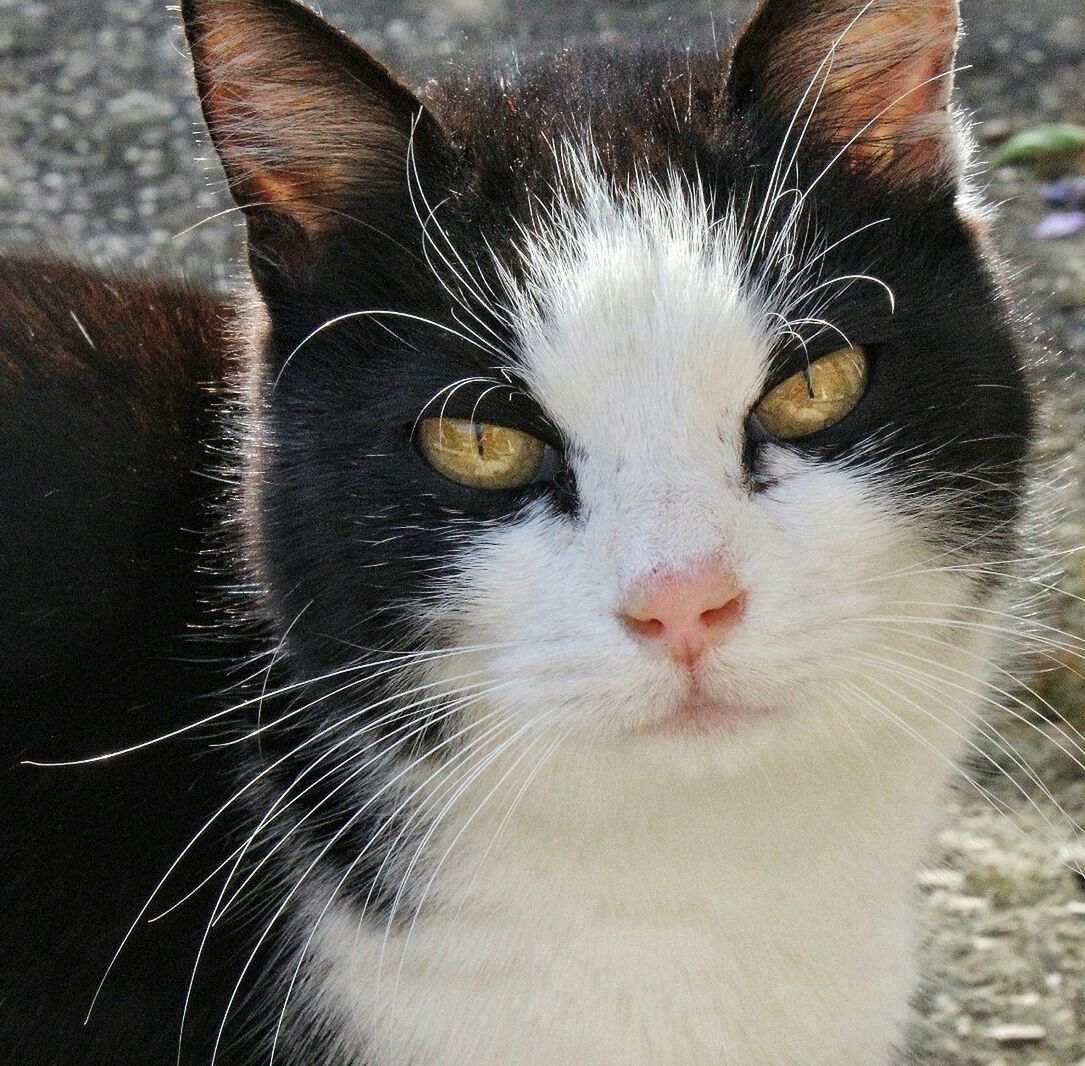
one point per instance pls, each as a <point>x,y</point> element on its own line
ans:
<point>106,386</point>
<point>107,406</point>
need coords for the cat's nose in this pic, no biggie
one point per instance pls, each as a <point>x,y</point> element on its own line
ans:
<point>686,612</point>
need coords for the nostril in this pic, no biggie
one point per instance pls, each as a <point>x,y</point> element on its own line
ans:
<point>643,627</point>
<point>685,613</point>
<point>723,617</point>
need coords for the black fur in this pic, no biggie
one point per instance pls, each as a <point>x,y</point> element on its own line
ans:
<point>104,386</point>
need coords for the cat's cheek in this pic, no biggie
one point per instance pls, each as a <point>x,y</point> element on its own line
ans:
<point>827,551</point>
<point>533,613</point>
<point>829,558</point>
<point>876,597</point>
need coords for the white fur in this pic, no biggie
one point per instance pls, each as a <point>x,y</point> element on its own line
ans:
<point>594,895</point>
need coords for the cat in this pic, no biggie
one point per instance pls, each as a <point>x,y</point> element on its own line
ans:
<point>622,454</point>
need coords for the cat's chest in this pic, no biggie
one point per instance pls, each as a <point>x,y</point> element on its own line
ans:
<point>544,985</point>
<point>679,943</point>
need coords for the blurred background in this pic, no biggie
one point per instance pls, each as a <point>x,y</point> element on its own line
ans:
<point>99,147</point>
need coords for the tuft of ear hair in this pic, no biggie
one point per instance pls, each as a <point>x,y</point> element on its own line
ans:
<point>307,124</point>
<point>872,77</point>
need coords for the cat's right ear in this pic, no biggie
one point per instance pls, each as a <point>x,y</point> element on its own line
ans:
<point>309,126</point>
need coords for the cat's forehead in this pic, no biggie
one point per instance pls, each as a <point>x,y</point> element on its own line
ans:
<point>644,110</point>
<point>638,322</point>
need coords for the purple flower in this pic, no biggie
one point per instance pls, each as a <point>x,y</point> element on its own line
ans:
<point>1066,192</point>
<point>1060,224</point>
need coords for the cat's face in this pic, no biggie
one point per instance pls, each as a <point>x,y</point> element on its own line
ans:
<point>532,407</point>
<point>647,344</point>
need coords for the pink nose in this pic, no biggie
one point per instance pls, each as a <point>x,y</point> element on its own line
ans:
<point>687,612</point>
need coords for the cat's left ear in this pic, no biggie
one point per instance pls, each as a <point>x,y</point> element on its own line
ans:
<point>873,78</point>
<point>308,125</point>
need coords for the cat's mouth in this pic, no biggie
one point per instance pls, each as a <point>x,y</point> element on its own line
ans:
<point>697,714</point>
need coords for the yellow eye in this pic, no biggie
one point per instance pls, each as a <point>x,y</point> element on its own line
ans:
<point>803,403</point>
<point>479,454</point>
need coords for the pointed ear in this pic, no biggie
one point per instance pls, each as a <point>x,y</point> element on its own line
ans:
<point>873,77</point>
<point>306,123</point>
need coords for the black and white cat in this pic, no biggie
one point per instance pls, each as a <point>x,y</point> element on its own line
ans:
<point>626,448</point>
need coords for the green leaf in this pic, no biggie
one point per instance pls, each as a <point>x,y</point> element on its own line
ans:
<point>1050,139</point>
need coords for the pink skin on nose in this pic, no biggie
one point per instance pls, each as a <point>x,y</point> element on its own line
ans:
<point>686,612</point>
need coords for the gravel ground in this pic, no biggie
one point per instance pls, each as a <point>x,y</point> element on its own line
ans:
<point>97,147</point>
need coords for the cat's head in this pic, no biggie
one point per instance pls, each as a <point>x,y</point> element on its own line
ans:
<point>628,393</point>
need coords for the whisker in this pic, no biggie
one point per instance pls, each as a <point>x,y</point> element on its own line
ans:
<point>377,313</point>
<point>217,913</point>
<point>468,781</point>
<point>410,729</point>
<point>906,674</point>
<point>540,762</point>
<point>244,704</point>
<point>350,822</point>
<point>884,711</point>
<point>986,683</point>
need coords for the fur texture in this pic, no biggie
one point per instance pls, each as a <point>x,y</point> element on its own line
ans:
<point>463,830</point>
<point>498,865</point>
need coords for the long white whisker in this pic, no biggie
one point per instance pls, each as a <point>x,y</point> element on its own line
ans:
<point>540,762</point>
<point>468,781</point>
<point>874,121</point>
<point>225,888</point>
<point>933,688</point>
<point>880,708</point>
<point>316,861</point>
<point>821,73</point>
<point>1007,695</point>
<point>378,313</point>
<point>395,736</point>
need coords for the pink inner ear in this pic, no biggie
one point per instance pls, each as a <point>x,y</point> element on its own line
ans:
<point>302,118</point>
<point>879,76</point>
<point>259,175</point>
<point>890,88</point>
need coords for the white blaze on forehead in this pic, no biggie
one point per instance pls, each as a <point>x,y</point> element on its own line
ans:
<point>642,336</point>
<point>646,342</point>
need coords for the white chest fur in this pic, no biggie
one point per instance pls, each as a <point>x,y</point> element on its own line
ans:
<point>761,918</point>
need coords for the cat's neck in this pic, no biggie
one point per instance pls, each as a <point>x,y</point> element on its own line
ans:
<point>745,879</point>
<point>805,794</point>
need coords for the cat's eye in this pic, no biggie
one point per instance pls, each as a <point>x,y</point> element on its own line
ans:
<point>815,398</point>
<point>480,454</point>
